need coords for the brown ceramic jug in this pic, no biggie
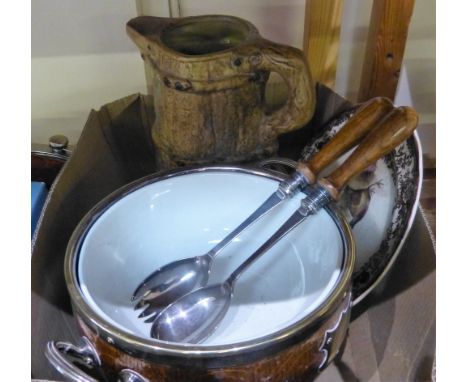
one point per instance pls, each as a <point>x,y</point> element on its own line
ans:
<point>209,75</point>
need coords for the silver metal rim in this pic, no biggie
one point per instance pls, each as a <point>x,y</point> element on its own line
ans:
<point>138,346</point>
<point>45,151</point>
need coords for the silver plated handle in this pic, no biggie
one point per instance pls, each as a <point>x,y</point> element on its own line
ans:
<point>270,162</point>
<point>127,375</point>
<point>58,354</point>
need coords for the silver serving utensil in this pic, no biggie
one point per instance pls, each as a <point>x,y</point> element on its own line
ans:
<point>194,317</point>
<point>174,280</point>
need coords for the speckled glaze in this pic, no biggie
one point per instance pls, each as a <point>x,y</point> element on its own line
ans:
<point>295,352</point>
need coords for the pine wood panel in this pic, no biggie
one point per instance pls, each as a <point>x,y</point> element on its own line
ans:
<point>385,48</point>
<point>322,37</point>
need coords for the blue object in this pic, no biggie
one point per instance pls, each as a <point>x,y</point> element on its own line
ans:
<point>38,197</point>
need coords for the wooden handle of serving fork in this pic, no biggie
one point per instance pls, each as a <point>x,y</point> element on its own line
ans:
<point>393,130</point>
<point>365,118</point>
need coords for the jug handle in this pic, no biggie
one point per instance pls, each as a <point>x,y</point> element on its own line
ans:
<point>290,64</point>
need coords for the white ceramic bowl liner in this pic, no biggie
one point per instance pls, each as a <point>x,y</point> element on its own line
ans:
<point>186,215</point>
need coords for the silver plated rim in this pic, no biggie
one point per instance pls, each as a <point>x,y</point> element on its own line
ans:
<point>44,150</point>
<point>138,346</point>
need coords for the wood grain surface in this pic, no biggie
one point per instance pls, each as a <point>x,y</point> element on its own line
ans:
<point>363,121</point>
<point>395,128</point>
<point>322,28</point>
<point>296,363</point>
<point>385,48</point>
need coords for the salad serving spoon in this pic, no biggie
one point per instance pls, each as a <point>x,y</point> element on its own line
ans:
<point>178,278</point>
<point>194,317</point>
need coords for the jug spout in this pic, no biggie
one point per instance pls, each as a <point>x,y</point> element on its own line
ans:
<point>146,30</point>
<point>192,36</point>
<point>150,25</point>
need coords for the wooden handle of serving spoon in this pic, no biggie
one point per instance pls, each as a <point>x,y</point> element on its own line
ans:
<point>365,118</point>
<point>393,130</point>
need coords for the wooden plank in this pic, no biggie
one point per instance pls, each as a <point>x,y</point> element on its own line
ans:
<point>322,37</point>
<point>385,48</point>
